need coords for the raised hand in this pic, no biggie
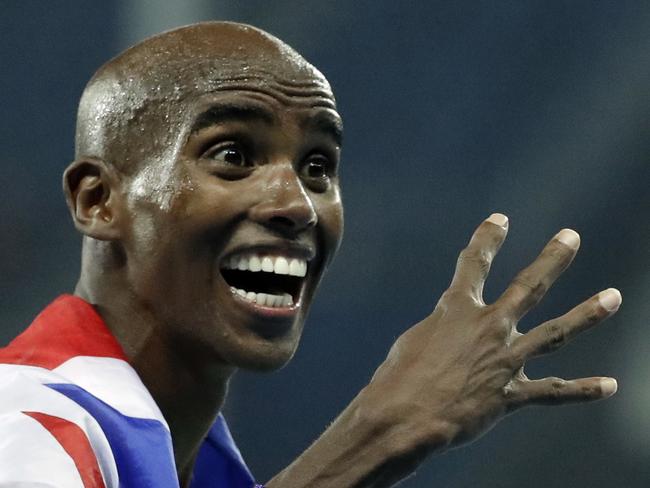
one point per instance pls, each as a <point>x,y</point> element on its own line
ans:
<point>453,375</point>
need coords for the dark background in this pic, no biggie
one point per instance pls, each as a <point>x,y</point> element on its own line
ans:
<point>453,110</point>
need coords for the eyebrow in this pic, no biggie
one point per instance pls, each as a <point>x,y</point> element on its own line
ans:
<point>329,123</point>
<point>221,112</point>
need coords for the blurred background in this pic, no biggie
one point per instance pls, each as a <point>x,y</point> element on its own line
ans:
<point>453,110</point>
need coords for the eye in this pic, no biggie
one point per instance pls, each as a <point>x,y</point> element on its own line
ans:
<point>317,166</point>
<point>229,154</point>
<point>317,171</point>
<point>229,160</point>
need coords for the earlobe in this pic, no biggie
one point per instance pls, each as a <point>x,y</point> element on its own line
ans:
<point>90,188</point>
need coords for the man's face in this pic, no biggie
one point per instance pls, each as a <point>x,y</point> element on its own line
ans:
<point>231,230</point>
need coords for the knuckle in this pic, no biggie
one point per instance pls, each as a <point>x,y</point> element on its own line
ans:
<point>559,253</point>
<point>533,287</point>
<point>508,391</point>
<point>558,389</point>
<point>558,384</point>
<point>501,326</point>
<point>516,359</point>
<point>595,313</point>
<point>497,337</point>
<point>495,325</point>
<point>477,257</point>
<point>513,396</point>
<point>590,391</point>
<point>593,317</point>
<point>555,336</point>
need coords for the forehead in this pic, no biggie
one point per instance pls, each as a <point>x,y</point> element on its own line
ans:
<point>208,57</point>
<point>195,77</point>
<point>190,64</point>
<point>216,89</point>
<point>309,113</point>
<point>154,92</point>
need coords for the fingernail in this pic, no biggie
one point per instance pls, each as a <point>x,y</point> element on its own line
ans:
<point>569,238</point>
<point>498,219</point>
<point>608,387</point>
<point>610,299</point>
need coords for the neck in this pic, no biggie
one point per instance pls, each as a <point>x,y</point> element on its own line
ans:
<point>188,388</point>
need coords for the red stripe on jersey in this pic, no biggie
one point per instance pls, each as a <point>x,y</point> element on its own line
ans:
<point>74,441</point>
<point>68,327</point>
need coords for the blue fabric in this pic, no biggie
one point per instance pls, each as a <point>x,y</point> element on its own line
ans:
<point>219,462</point>
<point>143,451</point>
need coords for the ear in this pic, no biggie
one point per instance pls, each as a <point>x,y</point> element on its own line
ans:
<point>90,187</point>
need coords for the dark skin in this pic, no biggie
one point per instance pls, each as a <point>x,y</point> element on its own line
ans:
<point>232,164</point>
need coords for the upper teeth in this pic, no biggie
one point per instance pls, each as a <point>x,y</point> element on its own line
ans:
<point>269,264</point>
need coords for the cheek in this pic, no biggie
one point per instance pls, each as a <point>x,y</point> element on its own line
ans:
<point>159,241</point>
<point>162,198</point>
<point>158,186</point>
<point>332,221</point>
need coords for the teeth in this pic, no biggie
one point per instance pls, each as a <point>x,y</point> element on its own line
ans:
<point>268,264</point>
<point>242,265</point>
<point>265,299</point>
<point>281,266</point>
<point>296,268</point>
<point>254,264</point>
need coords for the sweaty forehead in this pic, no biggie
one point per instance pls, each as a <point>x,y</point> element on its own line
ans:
<point>135,105</point>
<point>211,56</point>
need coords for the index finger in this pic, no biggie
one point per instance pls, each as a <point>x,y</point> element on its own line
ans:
<point>475,260</point>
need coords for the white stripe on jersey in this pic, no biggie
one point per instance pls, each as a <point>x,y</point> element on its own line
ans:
<point>43,462</point>
<point>114,382</point>
<point>22,389</point>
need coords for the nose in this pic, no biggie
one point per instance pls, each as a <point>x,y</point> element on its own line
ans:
<point>284,205</point>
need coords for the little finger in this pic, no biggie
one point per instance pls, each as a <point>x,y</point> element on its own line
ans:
<point>558,391</point>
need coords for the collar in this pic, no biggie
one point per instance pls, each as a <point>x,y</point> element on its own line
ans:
<point>67,328</point>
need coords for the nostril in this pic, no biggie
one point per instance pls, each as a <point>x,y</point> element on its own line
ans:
<point>282,221</point>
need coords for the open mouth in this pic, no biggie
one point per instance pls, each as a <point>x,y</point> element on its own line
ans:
<point>265,280</point>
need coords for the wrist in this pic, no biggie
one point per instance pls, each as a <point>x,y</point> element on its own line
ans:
<point>371,444</point>
<point>405,427</point>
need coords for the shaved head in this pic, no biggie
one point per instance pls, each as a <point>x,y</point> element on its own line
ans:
<point>194,146</point>
<point>133,110</point>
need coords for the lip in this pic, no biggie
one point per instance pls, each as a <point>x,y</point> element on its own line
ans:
<point>268,322</point>
<point>270,312</point>
<point>271,321</point>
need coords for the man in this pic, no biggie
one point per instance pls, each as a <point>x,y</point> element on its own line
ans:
<point>205,184</point>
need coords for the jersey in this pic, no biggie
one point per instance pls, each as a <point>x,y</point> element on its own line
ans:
<point>75,414</point>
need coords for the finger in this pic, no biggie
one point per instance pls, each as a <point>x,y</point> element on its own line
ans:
<point>532,283</point>
<point>557,391</point>
<point>474,261</point>
<point>555,333</point>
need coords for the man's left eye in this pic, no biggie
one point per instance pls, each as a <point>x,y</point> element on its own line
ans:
<point>316,167</point>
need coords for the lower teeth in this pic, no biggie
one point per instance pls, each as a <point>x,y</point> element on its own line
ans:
<point>265,299</point>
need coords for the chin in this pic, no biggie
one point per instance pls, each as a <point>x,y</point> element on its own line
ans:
<point>266,356</point>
